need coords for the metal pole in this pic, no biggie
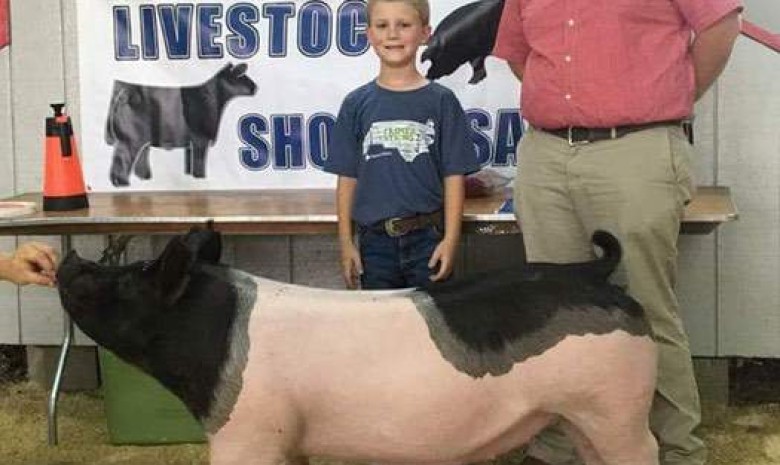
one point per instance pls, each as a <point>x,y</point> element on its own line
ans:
<point>55,388</point>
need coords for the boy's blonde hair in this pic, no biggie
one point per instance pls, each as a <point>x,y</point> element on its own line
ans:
<point>421,6</point>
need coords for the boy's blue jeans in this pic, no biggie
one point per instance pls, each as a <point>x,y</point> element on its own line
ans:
<point>396,262</point>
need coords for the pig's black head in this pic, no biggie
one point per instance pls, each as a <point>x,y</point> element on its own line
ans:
<point>123,308</point>
<point>130,299</point>
<point>170,316</point>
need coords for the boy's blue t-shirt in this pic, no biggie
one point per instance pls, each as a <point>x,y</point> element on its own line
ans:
<point>400,145</point>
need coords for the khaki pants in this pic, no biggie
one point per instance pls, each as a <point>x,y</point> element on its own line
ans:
<point>635,187</point>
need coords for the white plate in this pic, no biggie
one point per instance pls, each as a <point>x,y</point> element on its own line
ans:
<point>10,209</point>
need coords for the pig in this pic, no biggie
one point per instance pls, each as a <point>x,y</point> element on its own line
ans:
<point>449,373</point>
<point>142,116</point>
<point>466,35</point>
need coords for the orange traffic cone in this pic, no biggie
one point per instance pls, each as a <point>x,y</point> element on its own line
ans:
<point>63,183</point>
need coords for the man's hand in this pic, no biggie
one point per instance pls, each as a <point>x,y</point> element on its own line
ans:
<point>31,263</point>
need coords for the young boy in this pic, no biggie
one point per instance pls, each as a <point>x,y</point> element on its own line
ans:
<point>401,148</point>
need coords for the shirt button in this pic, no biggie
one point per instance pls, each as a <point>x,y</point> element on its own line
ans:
<point>567,58</point>
<point>567,96</point>
<point>570,22</point>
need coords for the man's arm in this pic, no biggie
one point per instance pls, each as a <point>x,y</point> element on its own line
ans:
<point>511,44</point>
<point>711,50</point>
<point>517,70</point>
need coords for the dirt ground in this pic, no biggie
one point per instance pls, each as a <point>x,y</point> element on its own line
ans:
<point>747,434</point>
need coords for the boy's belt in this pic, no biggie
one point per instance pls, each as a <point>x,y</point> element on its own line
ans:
<point>576,135</point>
<point>400,226</point>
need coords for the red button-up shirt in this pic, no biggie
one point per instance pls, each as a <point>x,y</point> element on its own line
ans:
<point>604,63</point>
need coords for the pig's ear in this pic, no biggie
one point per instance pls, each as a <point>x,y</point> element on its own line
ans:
<point>171,271</point>
<point>205,244</point>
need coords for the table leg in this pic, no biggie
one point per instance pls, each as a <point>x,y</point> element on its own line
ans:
<point>55,388</point>
<point>65,348</point>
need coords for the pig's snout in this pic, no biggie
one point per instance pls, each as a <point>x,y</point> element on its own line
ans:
<point>73,282</point>
<point>69,268</point>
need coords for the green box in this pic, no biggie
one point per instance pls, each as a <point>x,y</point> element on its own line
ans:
<point>140,410</point>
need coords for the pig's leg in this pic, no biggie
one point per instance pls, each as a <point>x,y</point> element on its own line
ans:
<point>585,450</point>
<point>614,419</point>
<point>300,460</point>
<point>240,449</point>
<point>255,438</point>
<point>264,434</point>
<point>243,454</point>
<point>616,439</point>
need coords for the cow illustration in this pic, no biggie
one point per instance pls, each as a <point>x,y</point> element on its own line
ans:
<point>142,116</point>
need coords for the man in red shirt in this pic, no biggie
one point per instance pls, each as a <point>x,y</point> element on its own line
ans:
<point>606,86</point>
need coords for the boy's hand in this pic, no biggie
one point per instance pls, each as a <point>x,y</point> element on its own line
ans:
<point>444,256</point>
<point>351,266</point>
<point>32,263</point>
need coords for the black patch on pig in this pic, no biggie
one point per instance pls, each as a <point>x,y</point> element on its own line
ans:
<point>171,317</point>
<point>190,341</point>
<point>487,323</point>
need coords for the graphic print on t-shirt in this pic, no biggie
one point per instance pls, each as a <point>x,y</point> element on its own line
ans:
<point>408,139</point>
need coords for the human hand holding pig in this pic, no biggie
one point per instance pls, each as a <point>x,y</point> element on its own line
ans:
<point>31,263</point>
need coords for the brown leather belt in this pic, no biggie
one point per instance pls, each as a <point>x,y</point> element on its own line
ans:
<point>400,226</point>
<point>576,135</point>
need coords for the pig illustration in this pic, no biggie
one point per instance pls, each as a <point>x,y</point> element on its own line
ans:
<point>143,116</point>
<point>455,372</point>
<point>466,35</point>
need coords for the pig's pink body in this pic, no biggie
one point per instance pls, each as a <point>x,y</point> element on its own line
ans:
<point>355,375</point>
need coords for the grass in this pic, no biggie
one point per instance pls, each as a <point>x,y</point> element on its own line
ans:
<point>745,435</point>
<point>83,433</point>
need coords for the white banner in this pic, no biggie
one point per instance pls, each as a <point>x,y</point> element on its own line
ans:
<point>242,95</point>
